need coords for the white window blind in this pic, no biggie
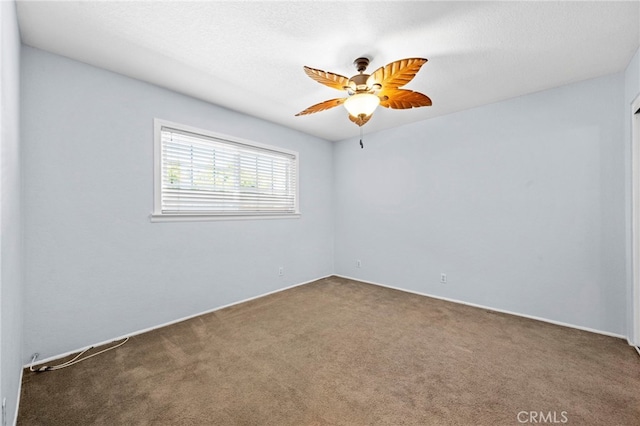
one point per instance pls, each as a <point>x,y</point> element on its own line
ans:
<point>204,174</point>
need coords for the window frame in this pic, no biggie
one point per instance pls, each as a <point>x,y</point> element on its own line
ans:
<point>159,216</point>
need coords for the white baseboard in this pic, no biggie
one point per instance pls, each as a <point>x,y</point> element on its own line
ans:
<point>475,305</point>
<point>15,415</point>
<point>135,333</point>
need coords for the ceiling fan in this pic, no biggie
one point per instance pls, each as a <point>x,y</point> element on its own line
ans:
<point>366,91</point>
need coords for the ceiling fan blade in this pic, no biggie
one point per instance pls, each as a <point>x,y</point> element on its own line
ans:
<point>322,106</point>
<point>396,74</point>
<point>335,81</point>
<point>361,120</point>
<point>403,99</point>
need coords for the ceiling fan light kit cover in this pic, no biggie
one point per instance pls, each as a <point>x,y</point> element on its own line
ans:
<point>366,91</point>
<point>362,104</point>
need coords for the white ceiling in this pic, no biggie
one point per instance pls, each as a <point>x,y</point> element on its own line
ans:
<point>248,55</point>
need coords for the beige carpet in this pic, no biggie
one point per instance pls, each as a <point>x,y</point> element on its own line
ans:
<point>340,352</point>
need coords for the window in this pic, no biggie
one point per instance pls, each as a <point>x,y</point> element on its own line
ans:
<point>200,175</point>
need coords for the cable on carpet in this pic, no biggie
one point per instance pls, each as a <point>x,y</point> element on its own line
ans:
<point>75,359</point>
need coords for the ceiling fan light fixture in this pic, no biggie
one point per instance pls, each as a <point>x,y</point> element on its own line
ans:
<point>366,91</point>
<point>362,104</point>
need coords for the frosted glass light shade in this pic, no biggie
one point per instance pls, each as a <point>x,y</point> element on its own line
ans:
<point>362,103</point>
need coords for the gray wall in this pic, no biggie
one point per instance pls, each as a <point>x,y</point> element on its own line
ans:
<point>10,210</point>
<point>97,267</point>
<point>521,203</point>
<point>631,90</point>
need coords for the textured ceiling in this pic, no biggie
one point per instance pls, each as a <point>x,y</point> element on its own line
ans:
<point>248,56</point>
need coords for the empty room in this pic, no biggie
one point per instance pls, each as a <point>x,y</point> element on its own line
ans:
<point>319,212</point>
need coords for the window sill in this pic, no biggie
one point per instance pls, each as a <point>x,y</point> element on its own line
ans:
<point>167,217</point>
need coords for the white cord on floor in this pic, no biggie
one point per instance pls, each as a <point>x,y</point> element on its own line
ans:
<point>75,359</point>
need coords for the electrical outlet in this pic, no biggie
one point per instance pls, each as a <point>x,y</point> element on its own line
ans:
<point>443,278</point>
<point>358,264</point>
<point>281,271</point>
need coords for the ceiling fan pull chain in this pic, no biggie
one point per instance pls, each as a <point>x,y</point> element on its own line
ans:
<point>361,145</point>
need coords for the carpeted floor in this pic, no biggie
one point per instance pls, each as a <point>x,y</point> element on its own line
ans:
<point>340,352</point>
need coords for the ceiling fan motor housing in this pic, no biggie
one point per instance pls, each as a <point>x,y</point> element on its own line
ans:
<point>360,82</point>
